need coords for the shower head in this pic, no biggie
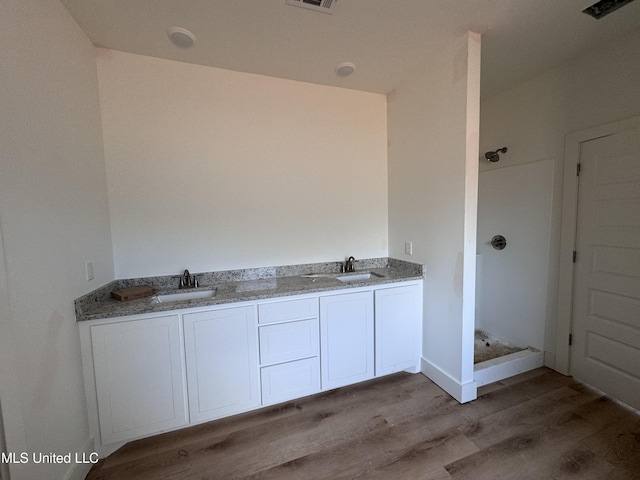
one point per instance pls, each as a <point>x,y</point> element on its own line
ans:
<point>493,156</point>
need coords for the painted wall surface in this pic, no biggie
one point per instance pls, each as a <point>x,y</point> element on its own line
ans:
<point>53,218</point>
<point>325,148</point>
<point>514,202</point>
<point>533,119</point>
<point>210,169</point>
<point>433,151</point>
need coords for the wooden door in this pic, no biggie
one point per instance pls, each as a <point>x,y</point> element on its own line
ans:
<point>606,305</point>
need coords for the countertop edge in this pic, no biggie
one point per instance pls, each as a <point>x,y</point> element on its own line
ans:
<point>97,305</point>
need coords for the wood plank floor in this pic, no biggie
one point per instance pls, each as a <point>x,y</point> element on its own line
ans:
<point>537,425</point>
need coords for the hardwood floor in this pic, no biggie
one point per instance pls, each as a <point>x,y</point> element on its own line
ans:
<point>537,425</point>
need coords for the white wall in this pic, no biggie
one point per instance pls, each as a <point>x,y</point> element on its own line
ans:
<point>433,173</point>
<point>211,169</point>
<point>514,202</point>
<point>53,218</point>
<point>533,119</point>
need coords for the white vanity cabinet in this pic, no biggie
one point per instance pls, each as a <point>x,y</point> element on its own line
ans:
<point>222,362</point>
<point>289,349</point>
<point>139,377</point>
<point>149,373</point>
<point>398,312</point>
<point>346,338</point>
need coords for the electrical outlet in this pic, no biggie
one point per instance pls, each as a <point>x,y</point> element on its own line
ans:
<point>90,273</point>
<point>408,248</point>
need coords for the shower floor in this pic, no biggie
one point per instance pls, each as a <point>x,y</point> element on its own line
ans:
<point>488,348</point>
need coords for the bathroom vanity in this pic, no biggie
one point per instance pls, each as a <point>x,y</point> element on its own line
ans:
<point>153,367</point>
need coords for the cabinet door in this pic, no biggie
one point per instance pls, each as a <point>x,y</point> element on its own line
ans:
<point>139,375</point>
<point>346,339</point>
<point>398,320</point>
<point>222,362</point>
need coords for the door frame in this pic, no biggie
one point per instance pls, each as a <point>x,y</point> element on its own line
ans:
<point>573,143</point>
<point>6,364</point>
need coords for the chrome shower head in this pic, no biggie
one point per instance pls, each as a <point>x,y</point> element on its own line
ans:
<point>493,156</point>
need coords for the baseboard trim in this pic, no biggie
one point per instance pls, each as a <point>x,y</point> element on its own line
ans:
<point>82,461</point>
<point>462,392</point>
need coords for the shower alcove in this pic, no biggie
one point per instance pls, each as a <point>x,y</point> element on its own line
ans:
<point>511,282</point>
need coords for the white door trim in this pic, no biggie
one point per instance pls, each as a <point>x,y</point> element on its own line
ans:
<point>7,380</point>
<point>573,143</point>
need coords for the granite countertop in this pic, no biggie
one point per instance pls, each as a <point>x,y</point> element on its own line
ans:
<point>244,285</point>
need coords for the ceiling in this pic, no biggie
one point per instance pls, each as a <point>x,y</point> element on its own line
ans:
<point>385,39</point>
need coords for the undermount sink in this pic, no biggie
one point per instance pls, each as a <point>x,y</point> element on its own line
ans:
<point>183,296</point>
<point>357,277</point>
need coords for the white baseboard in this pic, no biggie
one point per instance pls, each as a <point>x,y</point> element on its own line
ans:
<point>81,461</point>
<point>462,392</point>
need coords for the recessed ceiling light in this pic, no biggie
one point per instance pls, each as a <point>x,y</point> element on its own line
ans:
<point>345,69</point>
<point>181,37</point>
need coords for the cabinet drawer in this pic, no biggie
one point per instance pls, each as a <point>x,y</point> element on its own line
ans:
<point>288,310</point>
<point>290,380</point>
<point>289,341</point>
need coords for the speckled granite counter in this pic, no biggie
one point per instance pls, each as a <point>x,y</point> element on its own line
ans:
<point>244,285</point>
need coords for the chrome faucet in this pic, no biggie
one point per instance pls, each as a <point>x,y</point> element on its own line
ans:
<point>348,266</point>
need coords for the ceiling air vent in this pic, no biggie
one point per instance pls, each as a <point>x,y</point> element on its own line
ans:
<point>604,7</point>
<point>324,6</point>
